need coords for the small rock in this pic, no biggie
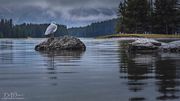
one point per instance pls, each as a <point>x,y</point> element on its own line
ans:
<point>61,43</point>
<point>172,46</point>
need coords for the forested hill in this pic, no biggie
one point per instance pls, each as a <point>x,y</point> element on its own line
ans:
<point>8,30</point>
<point>95,29</point>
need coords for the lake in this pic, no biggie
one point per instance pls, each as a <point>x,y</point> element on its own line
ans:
<point>104,72</point>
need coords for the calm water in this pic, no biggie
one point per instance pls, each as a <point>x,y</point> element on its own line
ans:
<point>105,72</point>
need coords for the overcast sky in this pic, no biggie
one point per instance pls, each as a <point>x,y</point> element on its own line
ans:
<point>68,12</point>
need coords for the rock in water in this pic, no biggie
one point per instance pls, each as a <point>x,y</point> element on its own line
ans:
<point>150,45</point>
<point>61,43</point>
<point>144,45</point>
<point>171,47</point>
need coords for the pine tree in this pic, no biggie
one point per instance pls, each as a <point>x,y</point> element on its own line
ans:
<point>133,15</point>
<point>178,17</point>
<point>150,16</point>
<point>121,13</point>
<point>166,16</point>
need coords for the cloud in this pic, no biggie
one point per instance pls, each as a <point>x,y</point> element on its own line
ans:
<point>68,12</point>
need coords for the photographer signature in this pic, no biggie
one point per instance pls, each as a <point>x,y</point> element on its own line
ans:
<point>11,96</point>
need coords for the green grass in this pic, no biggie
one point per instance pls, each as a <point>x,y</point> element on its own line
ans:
<point>141,36</point>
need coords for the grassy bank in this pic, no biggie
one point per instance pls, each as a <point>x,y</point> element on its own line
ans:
<point>141,36</point>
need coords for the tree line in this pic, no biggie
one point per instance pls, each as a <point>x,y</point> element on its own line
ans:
<point>95,29</point>
<point>149,16</point>
<point>134,16</point>
<point>9,30</point>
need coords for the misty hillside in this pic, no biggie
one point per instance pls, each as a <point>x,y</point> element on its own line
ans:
<point>95,29</point>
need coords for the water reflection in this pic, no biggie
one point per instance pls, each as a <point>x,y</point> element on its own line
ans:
<point>6,45</point>
<point>93,75</point>
<point>167,80</point>
<point>56,59</point>
<point>139,69</point>
<point>62,56</point>
<point>6,54</point>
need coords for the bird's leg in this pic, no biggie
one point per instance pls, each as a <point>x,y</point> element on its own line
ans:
<point>51,36</point>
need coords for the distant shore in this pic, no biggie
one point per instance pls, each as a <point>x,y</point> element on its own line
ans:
<point>142,36</point>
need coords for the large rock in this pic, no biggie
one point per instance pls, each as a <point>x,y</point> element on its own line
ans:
<point>61,43</point>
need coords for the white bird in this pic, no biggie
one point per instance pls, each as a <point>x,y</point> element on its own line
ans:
<point>51,29</point>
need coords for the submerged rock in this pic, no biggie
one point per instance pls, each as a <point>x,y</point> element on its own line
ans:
<point>61,43</point>
<point>150,45</point>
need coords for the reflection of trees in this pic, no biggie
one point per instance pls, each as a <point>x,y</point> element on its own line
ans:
<point>167,79</point>
<point>54,57</point>
<point>135,67</point>
<point>6,54</point>
<point>138,68</point>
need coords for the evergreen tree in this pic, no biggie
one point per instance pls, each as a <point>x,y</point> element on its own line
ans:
<point>150,16</point>
<point>166,16</point>
<point>178,17</point>
<point>121,13</point>
<point>134,15</point>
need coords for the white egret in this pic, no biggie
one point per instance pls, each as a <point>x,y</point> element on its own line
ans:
<point>51,29</point>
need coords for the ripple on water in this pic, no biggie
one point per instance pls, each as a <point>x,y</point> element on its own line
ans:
<point>105,72</point>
